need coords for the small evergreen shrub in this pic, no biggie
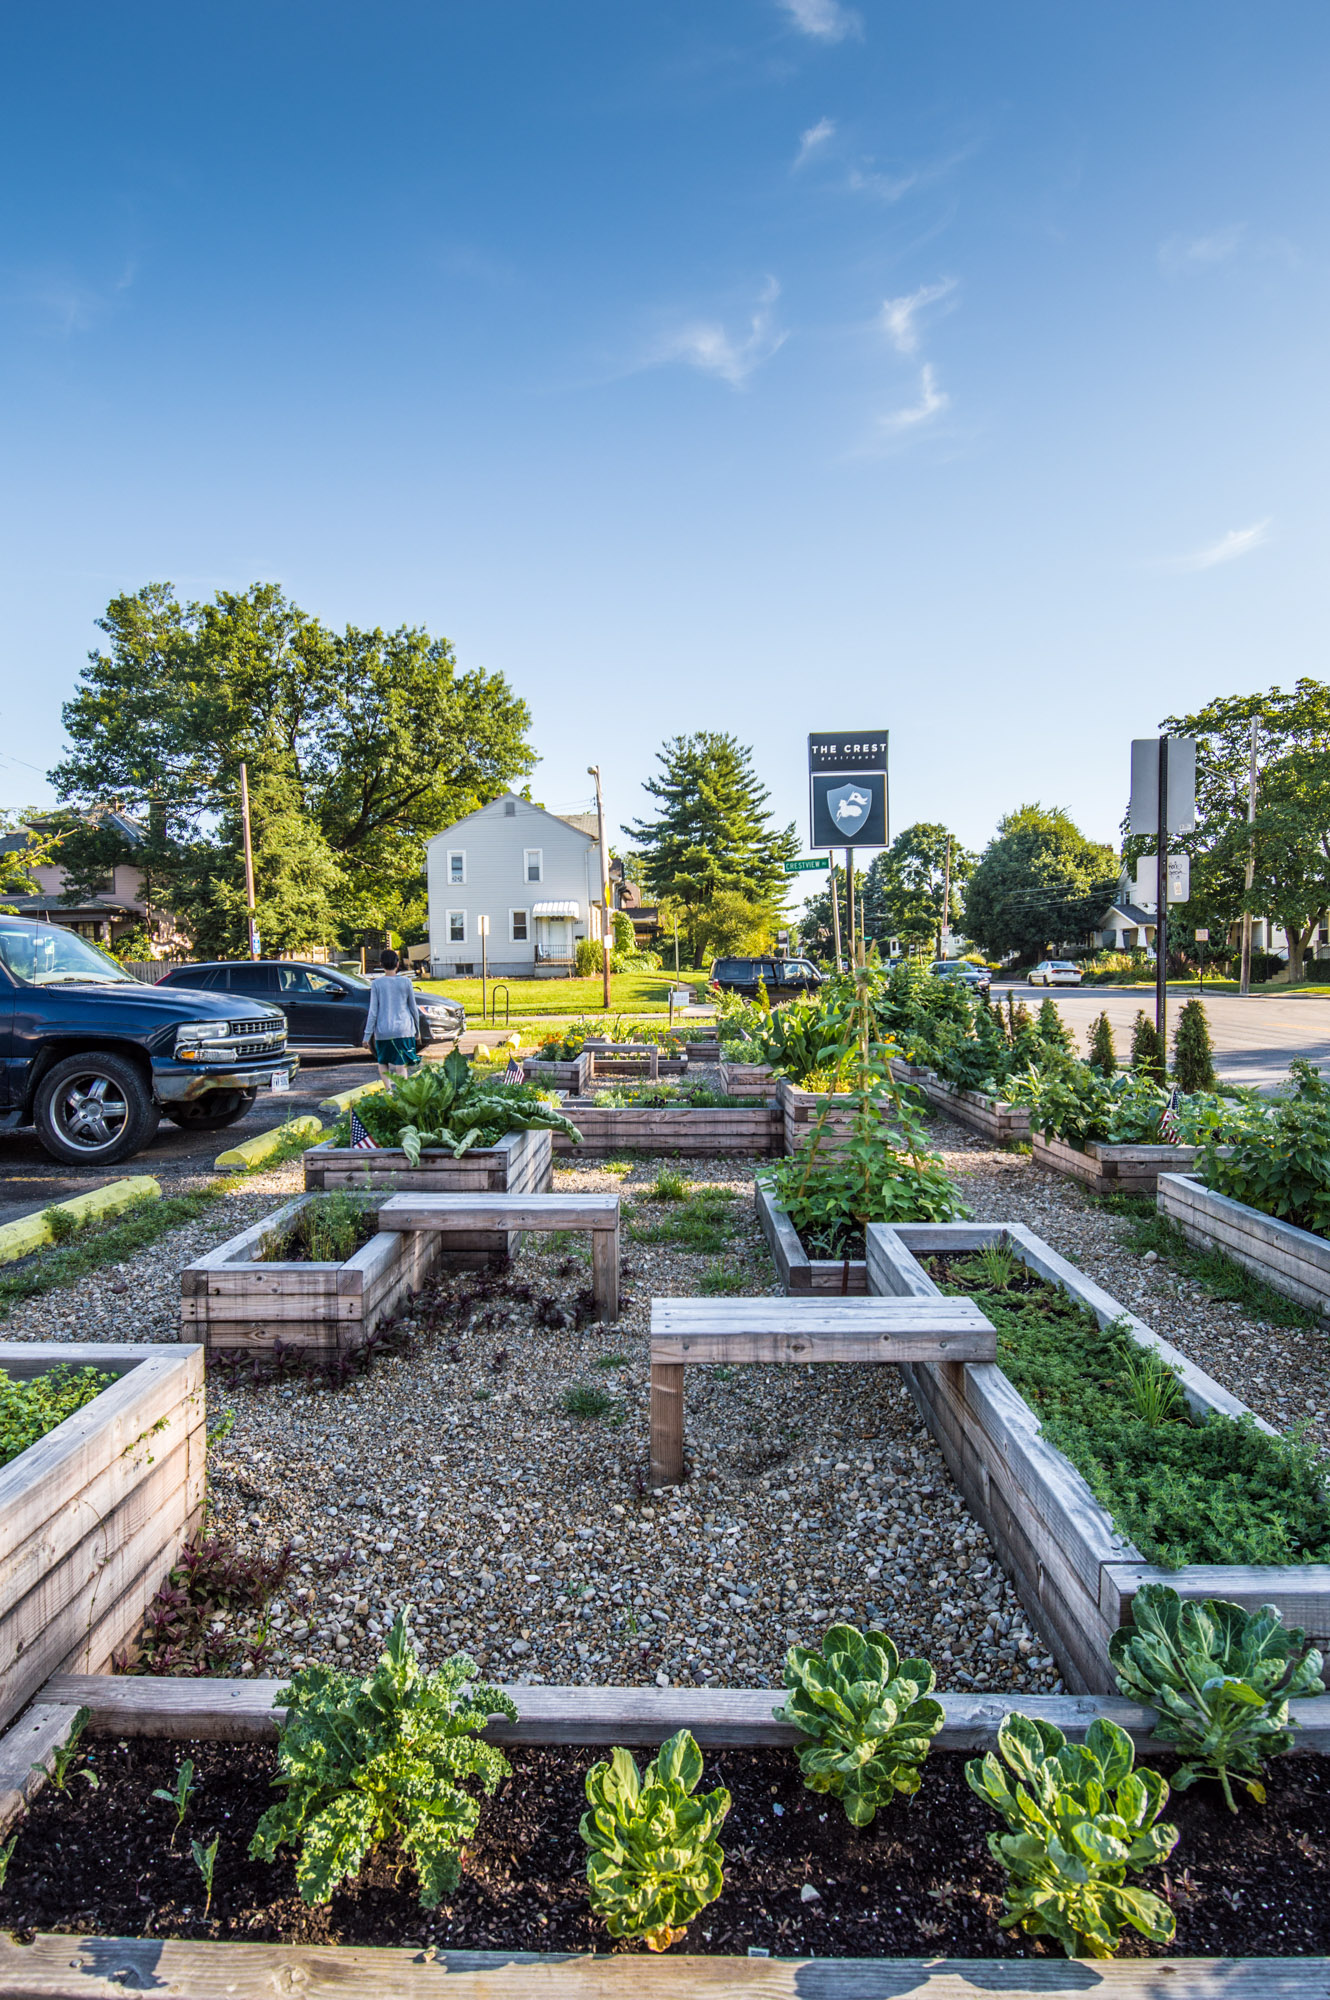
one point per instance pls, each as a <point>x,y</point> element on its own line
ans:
<point>1193,1052</point>
<point>1052,1029</point>
<point>1103,1054</point>
<point>1147,1057</point>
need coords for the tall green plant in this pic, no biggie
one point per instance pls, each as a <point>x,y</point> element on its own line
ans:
<point>1193,1051</point>
<point>1053,1030</point>
<point>1103,1054</point>
<point>1147,1055</point>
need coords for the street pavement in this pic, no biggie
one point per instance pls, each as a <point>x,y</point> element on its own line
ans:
<point>1254,1039</point>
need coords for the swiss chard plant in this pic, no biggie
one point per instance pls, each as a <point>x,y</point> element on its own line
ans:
<point>382,1759</point>
<point>654,1861</point>
<point>453,1106</point>
<point>868,1715</point>
<point>1079,1820</point>
<point>1221,1678</point>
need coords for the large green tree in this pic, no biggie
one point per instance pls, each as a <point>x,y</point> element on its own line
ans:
<point>1038,884</point>
<point>903,893</point>
<point>1289,839</point>
<point>714,837</point>
<point>359,746</point>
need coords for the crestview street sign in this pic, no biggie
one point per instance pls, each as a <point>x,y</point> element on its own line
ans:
<point>799,867</point>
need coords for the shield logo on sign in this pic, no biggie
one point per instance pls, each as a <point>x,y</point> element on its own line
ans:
<point>848,805</point>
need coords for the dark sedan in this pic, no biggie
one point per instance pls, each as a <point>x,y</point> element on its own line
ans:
<point>324,1005</point>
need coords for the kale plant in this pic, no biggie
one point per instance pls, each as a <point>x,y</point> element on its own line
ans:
<point>451,1105</point>
<point>382,1759</point>
<point>1080,1818</point>
<point>654,1860</point>
<point>868,1715</point>
<point>1221,1678</point>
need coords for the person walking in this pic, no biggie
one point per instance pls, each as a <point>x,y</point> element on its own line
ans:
<point>392,1025</point>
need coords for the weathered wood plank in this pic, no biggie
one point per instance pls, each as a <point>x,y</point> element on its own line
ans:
<point>32,1741</point>
<point>666,1423</point>
<point>1300,1592</point>
<point>494,1211</point>
<point>825,1345</point>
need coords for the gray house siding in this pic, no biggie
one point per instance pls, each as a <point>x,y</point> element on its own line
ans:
<point>486,866</point>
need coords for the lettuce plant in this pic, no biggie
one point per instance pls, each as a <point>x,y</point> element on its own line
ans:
<point>1221,1679</point>
<point>654,1860</point>
<point>867,1714</point>
<point>1080,1818</point>
<point>383,1758</point>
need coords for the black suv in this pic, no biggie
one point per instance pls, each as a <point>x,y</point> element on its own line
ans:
<point>782,977</point>
<point>325,1005</point>
<point>92,1057</point>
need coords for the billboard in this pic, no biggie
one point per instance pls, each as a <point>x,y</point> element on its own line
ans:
<point>847,781</point>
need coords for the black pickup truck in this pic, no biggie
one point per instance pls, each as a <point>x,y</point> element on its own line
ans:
<point>92,1058</point>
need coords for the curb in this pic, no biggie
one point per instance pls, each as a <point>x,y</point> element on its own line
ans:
<point>253,1152</point>
<point>333,1107</point>
<point>33,1232</point>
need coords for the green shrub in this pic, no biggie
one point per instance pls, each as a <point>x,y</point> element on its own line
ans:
<point>1193,1052</point>
<point>587,958</point>
<point>1279,1157</point>
<point>1147,1055</point>
<point>1079,1819</point>
<point>32,1406</point>
<point>1052,1029</point>
<point>867,1714</point>
<point>1103,1054</point>
<point>329,1229</point>
<point>382,1759</point>
<point>1221,1678</point>
<point>654,1861</point>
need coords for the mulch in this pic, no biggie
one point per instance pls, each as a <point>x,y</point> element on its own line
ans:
<point>920,1881</point>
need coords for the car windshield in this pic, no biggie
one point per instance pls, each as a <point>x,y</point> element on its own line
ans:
<point>49,955</point>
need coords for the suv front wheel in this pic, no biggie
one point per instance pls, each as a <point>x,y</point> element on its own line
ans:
<point>94,1110</point>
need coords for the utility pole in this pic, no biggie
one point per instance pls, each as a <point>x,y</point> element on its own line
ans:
<point>835,910</point>
<point>1161,907</point>
<point>946,902</point>
<point>607,927</point>
<point>849,909</point>
<point>249,862</point>
<point>1244,982</point>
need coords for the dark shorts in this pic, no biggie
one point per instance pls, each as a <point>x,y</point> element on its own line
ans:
<point>396,1051</point>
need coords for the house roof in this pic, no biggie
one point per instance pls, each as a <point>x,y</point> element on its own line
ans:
<point>1130,912</point>
<point>488,811</point>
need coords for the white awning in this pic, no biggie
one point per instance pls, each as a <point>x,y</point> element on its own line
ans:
<point>555,910</point>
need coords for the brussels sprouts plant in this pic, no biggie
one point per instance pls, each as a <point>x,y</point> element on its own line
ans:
<point>654,1860</point>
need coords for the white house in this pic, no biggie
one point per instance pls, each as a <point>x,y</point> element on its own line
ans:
<point>534,875</point>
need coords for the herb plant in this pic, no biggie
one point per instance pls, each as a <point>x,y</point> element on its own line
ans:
<point>868,1715</point>
<point>34,1405</point>
<point>329,1229</point>
<point>180,1797</point>
<point>654,1861</point>
<point>6,1856</point>
<point>1079,1819</point>
<point>1221,1679</point>
<point>382,1759</point>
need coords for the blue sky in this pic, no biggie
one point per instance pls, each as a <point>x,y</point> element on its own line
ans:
<point>761,365</point>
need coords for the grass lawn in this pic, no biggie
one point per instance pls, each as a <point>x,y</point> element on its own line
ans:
<point>630,993</point>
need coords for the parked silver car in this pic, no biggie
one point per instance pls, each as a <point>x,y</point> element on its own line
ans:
<point>977,977</point>
<point>1054,972</point>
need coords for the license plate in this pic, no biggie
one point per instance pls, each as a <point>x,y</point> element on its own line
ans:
<point>280,1080</point>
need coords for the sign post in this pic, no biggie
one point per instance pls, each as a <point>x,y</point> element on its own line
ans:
<point>847,786</point>
<point>483,926</point>
<point>1163,801</point>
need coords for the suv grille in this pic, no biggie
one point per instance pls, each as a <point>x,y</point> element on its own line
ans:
<point>255,1038</point>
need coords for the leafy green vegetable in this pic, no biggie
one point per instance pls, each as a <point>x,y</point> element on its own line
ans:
<point>1278,1160</point>
<point>1221,1678</point>
<point>382,1758</point>
<point>1080,1818</point>
<point>654,1860</point>
<point>181,1796</point>
<point>451,1105</point>
<point>34,1405</point>
<point>868,1714</point>
<point>329,1229</point>
<point>205,1860</point>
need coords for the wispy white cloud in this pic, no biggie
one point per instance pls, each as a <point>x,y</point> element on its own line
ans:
<point>1237,542</point>
<point>1201,253</point>
<point>899,315</point>
<point>812,140</point>
<point>932,401</point>
<point>68,303</point>
<point>825,20</point>
<point>708,345</point>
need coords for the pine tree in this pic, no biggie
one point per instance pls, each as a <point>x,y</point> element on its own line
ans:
<point>1193,1052</point>
<point>1103,1054</point>
<point>1053,1030</point>
<point>1147,1056</point>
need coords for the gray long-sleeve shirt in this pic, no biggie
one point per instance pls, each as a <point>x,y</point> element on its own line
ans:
<point>393,1010</point>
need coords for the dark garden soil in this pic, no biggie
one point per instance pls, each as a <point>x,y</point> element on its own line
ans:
<point>919,1882</point>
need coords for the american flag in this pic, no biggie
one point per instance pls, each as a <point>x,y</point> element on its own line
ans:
<point>514,1072</point>
<point>1168,1119</point>
<point>361,1142</point>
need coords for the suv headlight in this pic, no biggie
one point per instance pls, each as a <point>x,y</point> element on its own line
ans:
<point>191,1034</point>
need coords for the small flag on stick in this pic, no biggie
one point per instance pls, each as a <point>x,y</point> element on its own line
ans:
<point>361,1141</point>
<point>1168,1119</point>
<point>514,1072</point>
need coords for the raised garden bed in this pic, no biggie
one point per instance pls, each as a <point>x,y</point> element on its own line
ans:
<point>1293,1261</point>
<point>797,1271</point>
<point>242,1299</point>
<point>1109,1169</point>
<point>747,1080</point>
<point>750,1130</point>
<point>521,1163</point>
<point>1004,1124</point>
<point>519,1922</point>
<point>829,1113</point>
<point>1075,1572</point>
<point>93,1514</point>
<point>570,1076</point>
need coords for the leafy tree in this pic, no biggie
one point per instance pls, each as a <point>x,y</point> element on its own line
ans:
<point>33,850</point>
<point>1039,882</point>
<point>816,931</point>
<point>714,835</point>
<point>360,745</point>
<point>729,923</point>
<point>902,896</point>
<point>1193,1052</point>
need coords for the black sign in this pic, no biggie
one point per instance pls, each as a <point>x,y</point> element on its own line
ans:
<point>848,750</point>
<point>849,809</point>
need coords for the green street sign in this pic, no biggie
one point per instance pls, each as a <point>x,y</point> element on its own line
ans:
<point>800,867</point>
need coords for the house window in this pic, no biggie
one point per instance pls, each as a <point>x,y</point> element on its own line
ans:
<point>510,808</point>
<point>519,926</point>
<point>457,926</point>
<point>535,864</point>
<point>456,864</point>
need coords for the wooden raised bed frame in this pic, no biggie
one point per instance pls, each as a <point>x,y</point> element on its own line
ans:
<point>1106,1169</point>
<point>798,1272</point>
<point>570,1076</point>
<point>1293,1261</point>
<point>93,1515</point>
<point>63,1966</point>
<point>237,1302</point>
<point>753,1080</point>
<point>686,1129</point>
<point>521,1163</point>
<point>1075,1574</point>
<point>1004,1124</point>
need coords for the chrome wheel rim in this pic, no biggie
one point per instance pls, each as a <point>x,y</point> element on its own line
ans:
<point>91,1112</point>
